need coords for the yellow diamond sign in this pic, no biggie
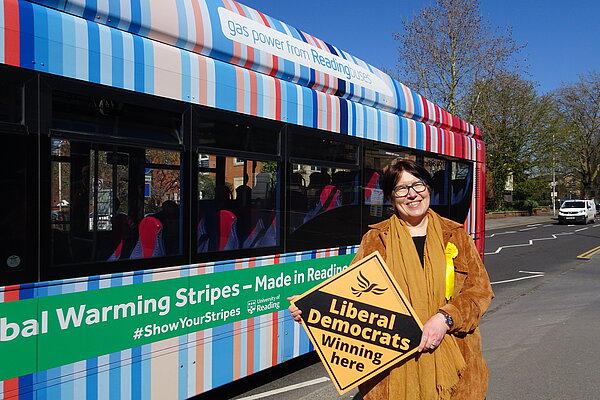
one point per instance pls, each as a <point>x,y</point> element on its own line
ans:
<point>360,322</point>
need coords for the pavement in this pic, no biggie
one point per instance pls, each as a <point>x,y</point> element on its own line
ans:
<point>544,345</point>
<point>507,222</point>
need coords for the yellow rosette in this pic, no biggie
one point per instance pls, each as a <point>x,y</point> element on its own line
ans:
<point>451,253</point>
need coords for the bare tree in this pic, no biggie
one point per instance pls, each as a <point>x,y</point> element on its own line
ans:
<point>579,105</point>
<point>446,48</point>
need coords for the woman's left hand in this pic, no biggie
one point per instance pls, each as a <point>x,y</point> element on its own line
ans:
<point>433,332</point>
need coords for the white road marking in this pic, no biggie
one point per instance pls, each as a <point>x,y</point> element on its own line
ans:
<point>581,229</point>
<point>534,275</point>
<point>532,272</point>
<point>286,389</point>
<point>528,229</point>
<point>529,243</point>
<point>501,233</point>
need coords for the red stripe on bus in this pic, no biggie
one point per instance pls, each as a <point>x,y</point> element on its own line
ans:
<point>11,388</point>
<point>250,347</point>
<point>199,27</point>
<point>253,94</point>
<point>11,293</point>
<point>278,100</point>
<point>275,339</point>
<point>12,44</point>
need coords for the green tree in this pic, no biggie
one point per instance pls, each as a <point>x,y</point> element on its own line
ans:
<point>517,126</point>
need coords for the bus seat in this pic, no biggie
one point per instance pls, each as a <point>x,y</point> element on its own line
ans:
<point>203,237</point>
<point>150,240</point>
<point>372,183</point>
<point>117,253</point>
<point>261,236</point>
<point>228,238</point>
<point>329,198</point>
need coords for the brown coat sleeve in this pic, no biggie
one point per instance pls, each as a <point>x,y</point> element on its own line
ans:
<point>472,289</point>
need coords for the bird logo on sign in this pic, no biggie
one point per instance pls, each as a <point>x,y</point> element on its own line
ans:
<point>365,286</point>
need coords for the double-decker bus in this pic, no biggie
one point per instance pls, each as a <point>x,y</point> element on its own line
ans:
<point>173,171</point>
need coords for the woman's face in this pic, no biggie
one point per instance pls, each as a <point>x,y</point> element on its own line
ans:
<point>412,207</point>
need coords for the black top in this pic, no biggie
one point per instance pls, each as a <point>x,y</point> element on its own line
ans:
<point>420,246</point>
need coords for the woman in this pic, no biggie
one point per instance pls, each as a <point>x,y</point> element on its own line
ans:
<point>418,245</point>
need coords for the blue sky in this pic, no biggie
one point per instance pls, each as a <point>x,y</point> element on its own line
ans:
<point>563,38</point>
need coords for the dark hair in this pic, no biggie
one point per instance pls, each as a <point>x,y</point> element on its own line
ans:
<point>392,173</point>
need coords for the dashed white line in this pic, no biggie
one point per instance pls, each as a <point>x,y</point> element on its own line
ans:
<point>285,389</point>
<point>527,229</point>
<point>580,229</point>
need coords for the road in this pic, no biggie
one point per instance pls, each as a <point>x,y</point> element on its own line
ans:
<point>539,336</point>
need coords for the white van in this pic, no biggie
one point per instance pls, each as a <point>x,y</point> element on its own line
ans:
<point>571,211</point>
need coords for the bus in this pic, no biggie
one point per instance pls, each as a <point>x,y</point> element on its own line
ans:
<point>173,171</point>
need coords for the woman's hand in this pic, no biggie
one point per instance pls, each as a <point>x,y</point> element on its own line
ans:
<point>295,311</point>
<point>433,332</point>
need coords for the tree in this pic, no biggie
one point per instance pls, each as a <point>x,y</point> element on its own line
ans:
<point>517,127</point>
<point>579,106</point>
<point>448,47</point>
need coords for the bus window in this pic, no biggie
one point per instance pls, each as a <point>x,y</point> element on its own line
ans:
<point>377,207</point>
<point>461,187</point>
<point>322,201</point>
<point>238,205</point>
<point>112,203</point>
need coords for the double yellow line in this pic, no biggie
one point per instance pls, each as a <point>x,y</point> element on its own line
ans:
<point>588,254</point>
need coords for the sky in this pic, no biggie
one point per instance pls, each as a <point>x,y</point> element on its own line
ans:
<point>562,37</point>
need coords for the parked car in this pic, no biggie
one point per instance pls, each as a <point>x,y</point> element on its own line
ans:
<point>582,211</point>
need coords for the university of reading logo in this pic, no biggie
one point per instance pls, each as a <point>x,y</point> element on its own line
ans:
<point>251,306</point>
<point>365,286</point>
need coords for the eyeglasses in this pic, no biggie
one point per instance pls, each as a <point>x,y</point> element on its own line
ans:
<point>402,190</point>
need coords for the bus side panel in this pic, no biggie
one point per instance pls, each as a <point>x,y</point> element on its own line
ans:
<point>187,363</point>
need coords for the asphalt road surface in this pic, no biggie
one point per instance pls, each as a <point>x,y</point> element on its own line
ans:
<point>539,335</point>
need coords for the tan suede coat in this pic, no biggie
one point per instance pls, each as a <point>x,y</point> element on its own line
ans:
<point>472,296</point>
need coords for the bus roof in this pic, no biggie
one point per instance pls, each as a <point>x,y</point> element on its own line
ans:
<point>237,34</point>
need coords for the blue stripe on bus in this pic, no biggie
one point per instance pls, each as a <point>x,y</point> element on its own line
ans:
<point>114,12</point>
<point>138,57</point>
<point>148,61</point>
<point>418,107</point>
<point>182,24</point>
<point>25,37</point>
<point>146,370</point>
<point>420,133</point>
<point>136,372</point>
<point>91,379</point>
<point>69,35</point>
<point>26,387</point>
<point>343,106</point>
<point>314,108</point>
<point>183,373</point>
<point>55,47</point>
<point>114,377</point>
<point>288,337</point>
<point>136,17</point>
<point>403,132</point>
<point>311,78</point>
<point>118,73</point>
<point>225,94</point>
<point>93,52</point>
<point>91,7</point>
<point>331,49</point>
<point>222,362</point>
<point>186,76</point>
